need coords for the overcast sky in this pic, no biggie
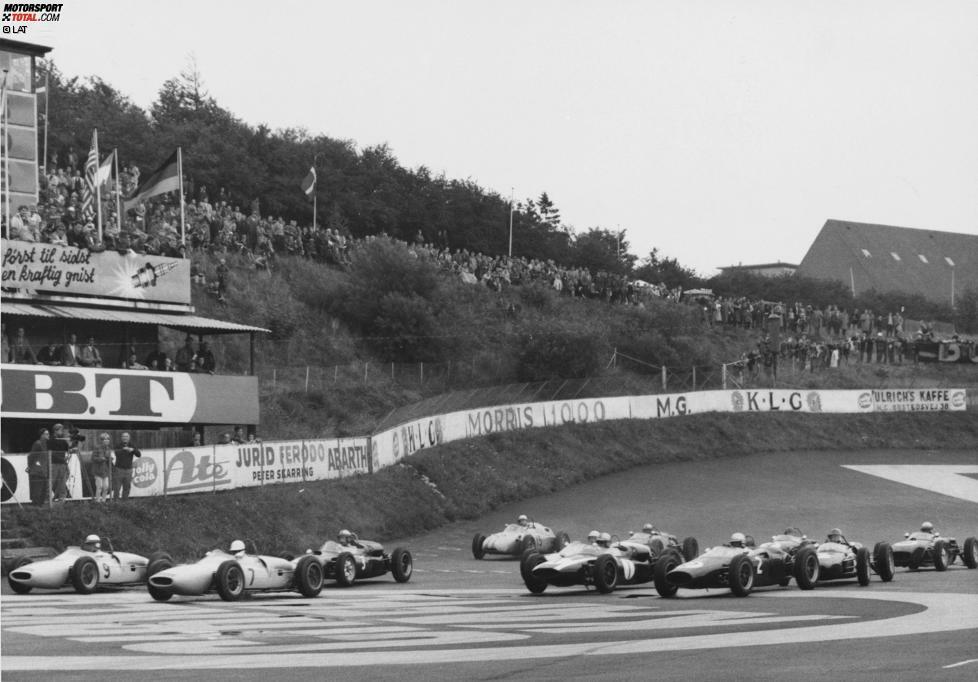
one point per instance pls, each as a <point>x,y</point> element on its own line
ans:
<point>719,131</point>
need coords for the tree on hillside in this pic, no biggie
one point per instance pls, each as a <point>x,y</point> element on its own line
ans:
<point>657,269</point>
<point>549,213</point>
<point>600,249</point>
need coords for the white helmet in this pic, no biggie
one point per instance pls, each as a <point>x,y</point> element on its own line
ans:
<point>237,546</point>
<point>93,540</point>
<point>927,527</point>
<point>593,535</point>
<point>522,519</point>
<point>835,535</point>
<point>604,539</point>
<point>738,539</point>
<point>647,528</point>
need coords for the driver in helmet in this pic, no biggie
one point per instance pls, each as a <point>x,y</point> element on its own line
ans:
<point>92,543</point>
<point>738,540</point>
<point>604,540</point>
<point>835,535</point>
<point>927,527</point>
<point>237,548</point>
<point>344,537</point>
<point>648,528</point>
<point>592,537</point>
<point>523,520</point>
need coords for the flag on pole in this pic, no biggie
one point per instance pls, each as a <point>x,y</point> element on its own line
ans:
<point>165,179</point>
<point>104,173</point>
<point>88,188</point>
<point>309,182</point>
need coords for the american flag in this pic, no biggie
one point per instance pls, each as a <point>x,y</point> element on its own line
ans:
<point>91,173</point>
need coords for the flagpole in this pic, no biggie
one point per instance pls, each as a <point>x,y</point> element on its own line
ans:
<point>98,186</point>
<point>183,235</point>
<point>5,161</point>
<point>47,100</point>
<point>314,183</point>
<point>510,222</point>
<point>118,191</point>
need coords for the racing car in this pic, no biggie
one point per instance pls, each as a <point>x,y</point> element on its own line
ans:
<point>85,568</point>
<point>604,565</point>
<point>233,573</point>
<point>659,541</point>
<point>741,565</point>
<point>518,538</point>
<point>927,548</point>
<point>840,559</point>
<point>349,559</point>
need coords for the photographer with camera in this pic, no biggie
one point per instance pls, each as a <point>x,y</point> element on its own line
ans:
<point>122,469</point>
<point>62,446</point>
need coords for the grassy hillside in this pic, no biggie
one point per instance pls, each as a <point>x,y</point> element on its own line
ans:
<point>466,479</point>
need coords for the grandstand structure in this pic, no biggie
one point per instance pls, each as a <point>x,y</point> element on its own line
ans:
<point>938,265</point>
<point>125,300</point>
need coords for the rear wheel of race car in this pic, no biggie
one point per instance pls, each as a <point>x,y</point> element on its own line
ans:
<point>478,549</point>
<point>17,586</point>
<point>606,573</point>
<point>562,540</point>
<point>691,548</point>
<point>862,566</point>
<point>308,576</point>
<point>159,555</point>
<point>883,561</point>
<point>533,583</point>
<point>230,580</point>
<point>402,565</point>
<point>663,565</point>
<point>160,563</point>
<point>741,575</point>
<point>969,554</point>
<point>529,543</point>
<point>916,559</point>
<point>806,568</point>
<point>84,575</point>
<point>346,569</point>
<point>940,555</point>
<point>656,547</point>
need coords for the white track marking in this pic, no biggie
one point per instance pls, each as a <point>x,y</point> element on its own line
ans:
<point>946,479</point>
<point>222,641</point>
<point>959,664</point>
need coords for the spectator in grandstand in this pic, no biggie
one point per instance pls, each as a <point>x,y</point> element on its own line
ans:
<point>122,468</point>
<point>225,438</point>
<point>61,450</point>
<point>198,439</point>
<point>157,358</point>
<point>50,355</point>
<point>239,435</point>
<point>5,354</point>
<point>70,352</point>
<point>38,469</point>
<point>185,356</point>
<point>90,356</point>
<point>102,468</point>
<point>132,363</point>
<point>204,361</point>
<point>21,352</point>
<point>20,226</point>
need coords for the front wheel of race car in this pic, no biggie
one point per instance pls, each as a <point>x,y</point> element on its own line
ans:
<point>969,554</point>
<point>534,584</point>
<point>528,544</point>
<point>229,580</point>
<point>478,546</point>
<point>402,565</point>
<point>16,585</point>
<point>309,576</point>
<point>84,575</point>
<point>660,571</point>
<point>561,541</point>
<point>862,566</point>
<point>806,568</point>
<point>691,548</point>
<point>940,555</point>
<point>741,575</point>
<point>346,569</point>
<point>916,559</point>
<point>160,563</point>
<point>605,573</point>
<point>883,561</point>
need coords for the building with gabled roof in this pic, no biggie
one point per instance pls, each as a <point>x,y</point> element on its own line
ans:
<point>937,265</point>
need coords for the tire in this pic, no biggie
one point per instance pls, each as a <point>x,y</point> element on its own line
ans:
<point>19,588</point>
<point>883,561</point>
<point>529,543</point>
<point>288,556</point>
<point>478,551</point>
<point>159,593</point>
<point>345,570</point>
<point>916,559</point>
<point>970,553</point>
<point>691,548</point>
<point>230,580</point>
<point>308,576</point>
<point>741,575</point>
<point>158,564</point>
<point>402,565</point>
<point>606,573</point>
<point>862,566</point>
<point>563,539</point>
<point>159,555</point>
<point>663,565</point>
<point>806,568</point>
<point>656,547</point>
<point>533,583</point>
<point>84,575</point>
<point>940,555</point>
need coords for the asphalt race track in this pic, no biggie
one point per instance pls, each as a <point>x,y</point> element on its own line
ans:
<point>460,618</point>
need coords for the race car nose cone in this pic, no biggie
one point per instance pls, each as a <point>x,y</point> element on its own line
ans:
<point>679,578</point>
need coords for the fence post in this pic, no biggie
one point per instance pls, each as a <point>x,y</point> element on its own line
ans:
<point>665,381</point>
<point>723,375</point>
<point>422,373</point>
<point>273,380</point>
<point>307,378</point>
<point>392,371</point>
<point>694,377</point>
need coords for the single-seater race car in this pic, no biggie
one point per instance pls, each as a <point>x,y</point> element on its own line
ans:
<point>840,559</point>
<point>233,573</point>
<point>85,568</point>
<point>604,566</point>
<point>517,538</point>
<point>740,566</point>
<point>927,548</point>
<point>659,541</point>
<point>349,559</point>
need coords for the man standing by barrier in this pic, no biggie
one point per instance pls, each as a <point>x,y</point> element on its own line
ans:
<point>122,470</point>
<point>60,451</point>
<point>39,469</point>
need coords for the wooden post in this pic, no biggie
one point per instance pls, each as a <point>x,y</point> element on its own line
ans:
<point>365,366</point>
<point>273,379</point>
<point>665,381</point>
<point>422,373</point>
<point>307,378</point>
<point>694,377</point>
<point>723,375</point>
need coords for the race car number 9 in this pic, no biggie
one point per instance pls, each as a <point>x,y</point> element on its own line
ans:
<point>252,582</point>
<point>107,570</point>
